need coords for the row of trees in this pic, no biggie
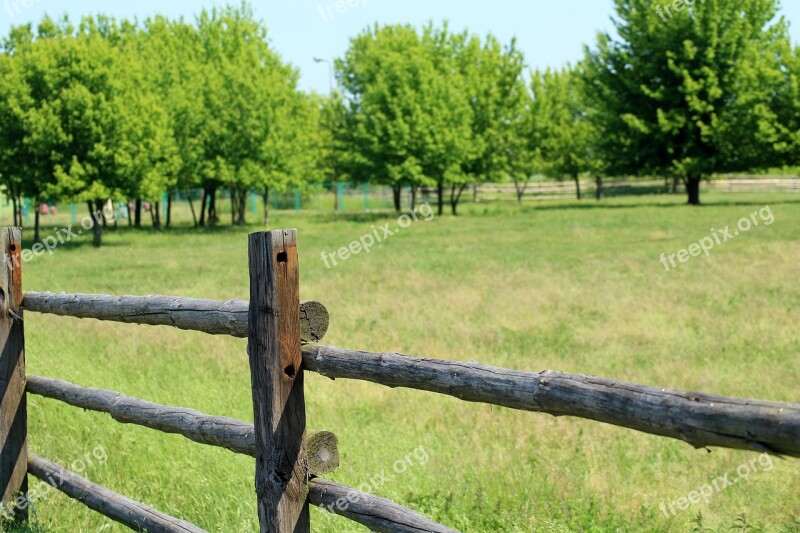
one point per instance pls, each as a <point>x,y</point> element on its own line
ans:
<point>127,111</point>
<point>713,89</point>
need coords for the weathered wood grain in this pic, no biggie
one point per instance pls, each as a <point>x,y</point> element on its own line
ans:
<point>322,452</point>
<point>13,407</point>
<point>378,514</point>
<point>219,431</point>
<point>276,369</point>
<point>237,436</point>
<point>208,316</point>
<point>130,513</point>
<point>697,418</point>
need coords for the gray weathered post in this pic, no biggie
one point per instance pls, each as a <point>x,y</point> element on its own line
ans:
<point>13,410</point>
<point>277,382</point>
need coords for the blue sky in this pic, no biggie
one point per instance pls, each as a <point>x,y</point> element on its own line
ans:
<point>550,32</point>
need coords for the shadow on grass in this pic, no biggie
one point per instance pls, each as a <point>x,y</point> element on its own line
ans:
<point>362,218</point>
<point>73,245</point>
<point>23,527</point>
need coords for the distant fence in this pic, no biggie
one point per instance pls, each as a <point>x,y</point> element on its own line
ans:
<point>558,190</point>
<point>281,333</point>
<point>346,197</point>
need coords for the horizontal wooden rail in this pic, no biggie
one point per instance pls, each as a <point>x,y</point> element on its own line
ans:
<point>378,514</point>
<point>219,431</point>
<point>130,513</point>
<point>235,435</point>
<point>208,316</point>
<point>694,417</point>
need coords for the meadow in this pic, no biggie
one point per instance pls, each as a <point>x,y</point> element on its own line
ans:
<point>570,286</point>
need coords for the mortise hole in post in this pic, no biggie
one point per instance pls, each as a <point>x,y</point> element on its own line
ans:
<point>289,371</point>
<point>2,296</point>
<point>12,248</point>
<point>283,257</point>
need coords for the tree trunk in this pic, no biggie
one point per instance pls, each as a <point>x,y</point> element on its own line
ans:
<point>97,230</point>
<point>693,190</point>
<point>397,191</point>
<point>577,180</point>
<point>36,236</point>
<point>455,197</point>
<point>138,215</point>
<point>440,195</point>
<point>156,210</point>
<point>336,197</point>
<point>169,209</point>
<point>203,207</point>
<point>212,207</point>
<point>520,187</point>
<point>242,219</point>
<point>99,205</point>
<point>675,182</point>
<point>191,207</point>
<point>599,192</point>
<point>15,205</point>
<point>413,197</point>
<point>234,205</point>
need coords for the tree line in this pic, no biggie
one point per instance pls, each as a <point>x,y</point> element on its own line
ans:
<point>128,110</point>
<point>125,111</point>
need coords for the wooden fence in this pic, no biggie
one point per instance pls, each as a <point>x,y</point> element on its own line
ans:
<point>560,190</point>
<point>282,333</point>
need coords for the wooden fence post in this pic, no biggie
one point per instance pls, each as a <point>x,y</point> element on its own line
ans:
<point>13,410</point>
<point>277,381</point>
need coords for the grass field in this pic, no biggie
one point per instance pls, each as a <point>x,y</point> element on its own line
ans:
<point>576,287</point>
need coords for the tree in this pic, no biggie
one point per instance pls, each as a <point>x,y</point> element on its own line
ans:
<point>561,129</point>
<point>410,122</point>
<point>15,160</point>
<point>492,82</point>
<point>60,115</point>
<point>683,96</point>
<point>247,92</point>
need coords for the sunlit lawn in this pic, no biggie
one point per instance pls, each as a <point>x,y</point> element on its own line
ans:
<point>576,287</point>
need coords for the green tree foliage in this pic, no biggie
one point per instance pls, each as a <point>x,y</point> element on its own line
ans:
<point>63,88</point>
<point>410,125</point>
<point>125,111</point>
<point>687,93</point>
<point>495,89</point>
<point>561,128</point>
<point>431,108</point>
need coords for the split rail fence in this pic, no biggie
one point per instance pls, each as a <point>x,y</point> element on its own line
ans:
<point>282,334</point>
<point>559,190</point>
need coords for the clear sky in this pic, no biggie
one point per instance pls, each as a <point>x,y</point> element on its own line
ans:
<point>550,32</point>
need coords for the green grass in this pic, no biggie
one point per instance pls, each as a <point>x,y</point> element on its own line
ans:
<point>569,286</point>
